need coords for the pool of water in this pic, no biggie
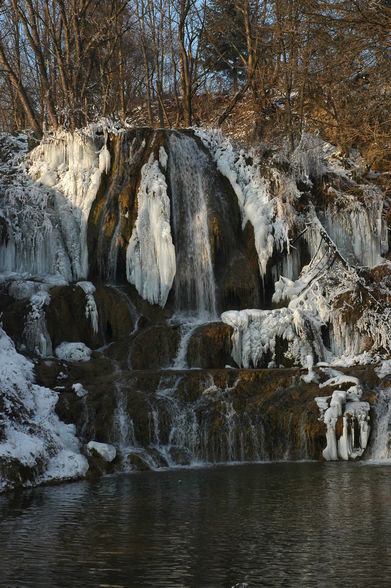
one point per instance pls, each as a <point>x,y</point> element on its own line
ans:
<point>286,524</point>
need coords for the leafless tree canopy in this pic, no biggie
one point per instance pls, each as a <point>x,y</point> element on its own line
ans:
<point>297,64</point>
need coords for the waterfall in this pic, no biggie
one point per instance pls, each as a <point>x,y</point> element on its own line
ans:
<point>195,290</point>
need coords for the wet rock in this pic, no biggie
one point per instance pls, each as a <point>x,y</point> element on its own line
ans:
<point>17,474</point>
<point>66,317</point>
<point>180,456</point>
<point>154,347</point>
<point>137,463</point>
<point>210,346</point>
<point>158,459</point>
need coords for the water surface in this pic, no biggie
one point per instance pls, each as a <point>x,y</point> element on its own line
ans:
<point>298,524</point>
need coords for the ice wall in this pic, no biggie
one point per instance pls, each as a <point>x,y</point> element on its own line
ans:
<point>47,206</point>
<point>258,333</point>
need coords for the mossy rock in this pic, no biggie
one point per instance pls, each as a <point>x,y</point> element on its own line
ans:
<point>14,313</point>
<point>116,312</point>
<point>210,346</point>
<point>155,347</point>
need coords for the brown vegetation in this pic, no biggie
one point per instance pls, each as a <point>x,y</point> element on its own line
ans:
<point>261,69</point>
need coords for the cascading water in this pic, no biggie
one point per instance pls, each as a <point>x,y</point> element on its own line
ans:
<point>195,289</point>
<point>193,233</point>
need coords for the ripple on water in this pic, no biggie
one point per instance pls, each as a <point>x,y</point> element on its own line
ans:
<point>305,524</point>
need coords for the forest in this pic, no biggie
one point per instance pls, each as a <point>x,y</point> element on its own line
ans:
<point>293,66</point>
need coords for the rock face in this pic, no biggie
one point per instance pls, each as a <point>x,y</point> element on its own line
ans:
<point>198,281</point>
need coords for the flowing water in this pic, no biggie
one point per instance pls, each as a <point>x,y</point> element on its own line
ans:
<point>194,282</point>
<point>303,524</point>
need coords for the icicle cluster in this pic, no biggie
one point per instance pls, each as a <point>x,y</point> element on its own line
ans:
<point>344,404</point>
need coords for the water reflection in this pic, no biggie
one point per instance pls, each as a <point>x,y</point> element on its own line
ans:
<point>267,525</point>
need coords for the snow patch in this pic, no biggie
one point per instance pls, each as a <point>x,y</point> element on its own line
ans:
<point>79,389</point>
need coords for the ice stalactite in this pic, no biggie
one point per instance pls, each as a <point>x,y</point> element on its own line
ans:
<point>345,405</point>
<point>258,334</point>
<point>91,308</point>
<point>150,256</point>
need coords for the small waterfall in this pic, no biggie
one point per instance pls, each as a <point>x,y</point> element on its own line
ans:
<point>124,426</point>
<point>186,331</point>
<point>180,431</point>
<point>113,253</point>
<point>195,290</point>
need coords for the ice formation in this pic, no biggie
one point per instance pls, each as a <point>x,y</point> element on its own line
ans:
<point>91,308</point>
<point>150,256</point>
<point>258,334</point>
<point>271,216</point>
<point>46,207</point>
<point>384,369</point>
<point>344,404</point>
<point>32,434</point>
<point>73,351</point>
<point>35,332</point>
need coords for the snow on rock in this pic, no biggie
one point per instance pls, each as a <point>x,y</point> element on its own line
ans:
<point>35,446</point>
<point>73,351</point>
<point>345,405</point>
<point>150,256</point>
<point>79,389</point>
<point>106,451</point>
<point>270,215</point>
<point>91,308</point>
